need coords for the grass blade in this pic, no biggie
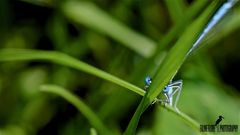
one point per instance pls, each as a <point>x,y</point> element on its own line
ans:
<point>65,60</point>
<point>79,104</point>
<point>91,16</point>
<point>170,66</point>
<point>62,59</point>
<point>177,29</point>
<point>176,9</point>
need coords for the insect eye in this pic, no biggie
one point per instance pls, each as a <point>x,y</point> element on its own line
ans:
<point>148,80</point>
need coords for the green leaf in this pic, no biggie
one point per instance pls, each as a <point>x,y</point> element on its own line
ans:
<point>93,131</point>
<point>79,104</point>
<point>93,17</point>
<point>170,66</point>
<point>65,60</point>
<point>177,29</point>
<point>176,9</point>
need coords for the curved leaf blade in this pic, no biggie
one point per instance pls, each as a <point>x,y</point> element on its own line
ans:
<point>65,60</point>
<point>79,104</point>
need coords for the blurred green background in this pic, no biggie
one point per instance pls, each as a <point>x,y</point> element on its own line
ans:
<point>126,38</point>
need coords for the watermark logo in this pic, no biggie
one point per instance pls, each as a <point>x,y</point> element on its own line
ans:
<point>217,127</point>
<point>218,120</point>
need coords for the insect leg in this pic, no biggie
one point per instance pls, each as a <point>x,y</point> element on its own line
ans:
<point>178,90</point>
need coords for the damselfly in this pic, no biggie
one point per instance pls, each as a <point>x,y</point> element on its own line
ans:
<point>176,87</point>
<point>169,91</point>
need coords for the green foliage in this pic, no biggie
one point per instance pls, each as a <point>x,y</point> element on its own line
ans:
<point>170,67</point>
<point>79,104</point>
<point>95,55</point>
<point>89,15</point>
<point>62,59</point>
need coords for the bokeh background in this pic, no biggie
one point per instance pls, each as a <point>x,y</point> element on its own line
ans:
<point>210,75</point>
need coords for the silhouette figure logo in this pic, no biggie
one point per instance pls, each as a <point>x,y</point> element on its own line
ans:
<point>217,127</point>
<point>218,120</point>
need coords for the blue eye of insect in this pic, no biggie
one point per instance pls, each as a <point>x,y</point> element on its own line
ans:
<point>166,89</point>
<point>148,80</point>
